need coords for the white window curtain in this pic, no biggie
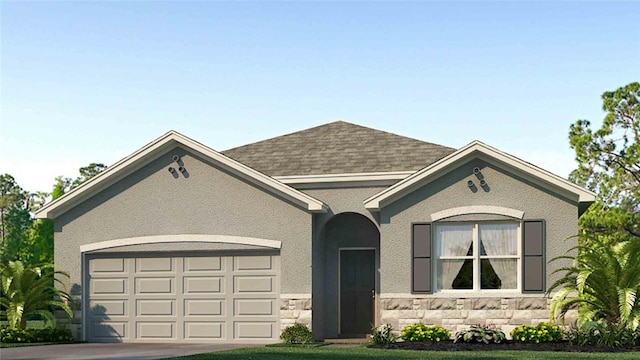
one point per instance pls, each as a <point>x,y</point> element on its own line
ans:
<point>501,239</point>
<point>452,240</point>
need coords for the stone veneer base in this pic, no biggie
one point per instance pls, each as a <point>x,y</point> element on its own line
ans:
<point>295,310</point>
<point>457,314</point>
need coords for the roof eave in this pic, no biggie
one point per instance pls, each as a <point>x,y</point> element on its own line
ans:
<point>142,156</point>
<point>375,202</point>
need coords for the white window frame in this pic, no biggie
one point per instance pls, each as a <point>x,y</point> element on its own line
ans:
<point>476,257</point>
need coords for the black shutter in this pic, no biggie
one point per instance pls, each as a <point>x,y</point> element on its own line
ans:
<point>533,259</point>
<point>421,257</point>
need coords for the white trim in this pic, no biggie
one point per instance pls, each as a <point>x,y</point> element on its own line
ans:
<point>504,294</point>
<point>144,155</point>
<point>477,209</point>
<point>368,179</point>
<point>84,280</point>
<point>433,171</point>
<point>476,257</point>
<point>188,238</point>
<point>295,296</point>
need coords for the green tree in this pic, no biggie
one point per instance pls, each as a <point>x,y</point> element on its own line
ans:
<point>609,164</point>
<point>12,196</point>
<point>87,172</point>
<point>60,187</point>
<point>40,241</point>
<point>65,184</point>
<point>31,290</point>
<point>16,247</point>
<point>26,239</point>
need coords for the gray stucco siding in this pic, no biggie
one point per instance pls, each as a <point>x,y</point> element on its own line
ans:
<point>341,200</point>
<point>209,200</point>
<point>505,189</point>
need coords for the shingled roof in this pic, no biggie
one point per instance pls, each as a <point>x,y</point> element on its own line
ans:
<point>337,148</point>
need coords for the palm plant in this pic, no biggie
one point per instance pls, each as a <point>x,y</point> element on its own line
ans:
<point>32,290</point>
<point>603,282</point>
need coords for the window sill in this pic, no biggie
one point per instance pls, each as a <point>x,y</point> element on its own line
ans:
<point>463,295</point>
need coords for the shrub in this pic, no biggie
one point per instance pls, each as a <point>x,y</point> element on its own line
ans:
<point>30,335</point>
<point>297,334</point>
<point>480,334</point>
<point>422,332</point>
<point>542,332</point>
<point>603,335</point>
<point>604,283</point>
<point>383,335</point>
<point>27,291</point>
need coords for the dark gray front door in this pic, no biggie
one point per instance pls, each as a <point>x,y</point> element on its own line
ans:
<point>357,289</point>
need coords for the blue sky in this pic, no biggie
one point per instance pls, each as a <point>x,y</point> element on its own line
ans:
<point>89,82</point>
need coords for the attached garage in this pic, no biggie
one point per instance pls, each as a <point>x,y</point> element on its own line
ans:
<point>185,297</point>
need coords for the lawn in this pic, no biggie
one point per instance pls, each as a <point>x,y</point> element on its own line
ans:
<point>361,353</point>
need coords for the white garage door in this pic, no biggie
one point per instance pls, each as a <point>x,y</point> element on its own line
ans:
<point>231,298</point>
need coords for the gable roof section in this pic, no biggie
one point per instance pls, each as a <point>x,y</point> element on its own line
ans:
<point>435,170</point>
<point>148,153</point>
<point>338,148</point>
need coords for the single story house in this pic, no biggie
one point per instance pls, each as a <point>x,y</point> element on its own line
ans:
<point>340,227</point>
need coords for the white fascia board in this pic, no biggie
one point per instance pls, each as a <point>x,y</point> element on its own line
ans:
<point>102,180</point>
<point>129,164</point>
<point>342,180</point>
<point>181,238</point>
<point>431,172</point>
<point>309,179</point>
<point>258,178</point>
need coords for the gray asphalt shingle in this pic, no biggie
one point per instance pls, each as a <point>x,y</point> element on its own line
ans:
<point>337,148</point>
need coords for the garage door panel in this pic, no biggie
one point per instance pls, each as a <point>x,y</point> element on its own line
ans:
<point>109,330</point>
<point>208,264</point>
<point>254,330</point>
<point>253,307</point>
<point>107,266</point>
<point>109,286</point>
<point>253,263</point>
<point>183,298</point>
<point>204,307</point>
<point>202,285</point>
<point>204,330</point>
<point>102,308</point>
<point>249,284</point>
<point>155,286</point>
<point>155,307</point>
<point>155,330</point>
<point>154,265</point>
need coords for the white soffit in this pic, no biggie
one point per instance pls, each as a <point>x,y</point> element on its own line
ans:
<point>145,155</point>
<point>184,238</point>
<point>432,172</point>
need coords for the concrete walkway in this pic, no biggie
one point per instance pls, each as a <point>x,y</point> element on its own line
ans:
<point>112,351</point>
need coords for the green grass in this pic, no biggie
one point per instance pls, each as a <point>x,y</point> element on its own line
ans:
<point>361,353</point>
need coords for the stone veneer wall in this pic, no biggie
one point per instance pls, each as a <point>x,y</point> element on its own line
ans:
<point>74,324</point>
<point>295,311</point>
<point>457,314</point>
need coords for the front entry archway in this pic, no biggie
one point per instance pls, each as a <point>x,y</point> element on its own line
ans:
<point>351,245</point>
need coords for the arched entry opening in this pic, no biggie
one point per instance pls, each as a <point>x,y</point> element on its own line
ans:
<point>351,244</point>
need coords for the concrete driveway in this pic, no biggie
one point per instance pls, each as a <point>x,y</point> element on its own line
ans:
<point>112,351</point>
